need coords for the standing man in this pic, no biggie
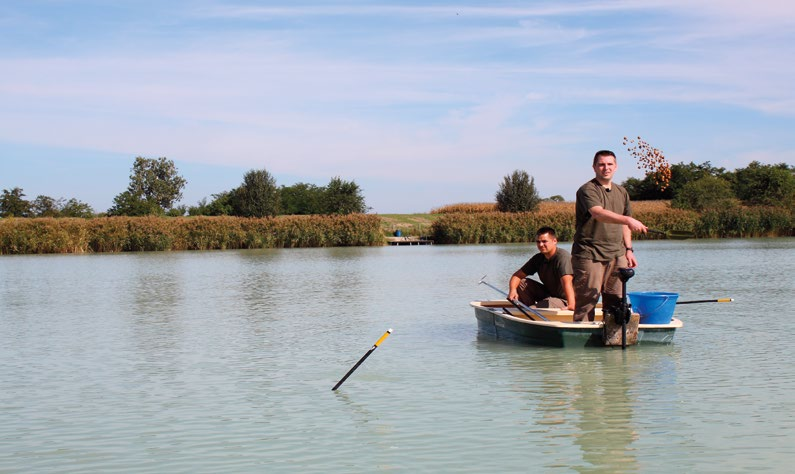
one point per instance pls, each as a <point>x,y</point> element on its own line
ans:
<point>553,266</point>
<point>602,239</point>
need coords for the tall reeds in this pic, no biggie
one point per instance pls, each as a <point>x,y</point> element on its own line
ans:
<point>496,227</point>
<point>122,234</point>
<point>470,225</point>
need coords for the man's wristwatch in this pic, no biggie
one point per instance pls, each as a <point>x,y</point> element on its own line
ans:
<point>630,249</point>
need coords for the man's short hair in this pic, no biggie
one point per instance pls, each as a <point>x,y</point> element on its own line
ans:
<point>546,230</point>
<point>602,153</point>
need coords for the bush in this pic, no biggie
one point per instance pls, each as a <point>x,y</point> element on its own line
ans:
<point>708,192</point>
<point>518,193</point>
<point>343,197</point>
<point>765,185</point>
<point>258,196</point>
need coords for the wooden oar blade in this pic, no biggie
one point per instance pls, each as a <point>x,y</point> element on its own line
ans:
<point>674,234</point>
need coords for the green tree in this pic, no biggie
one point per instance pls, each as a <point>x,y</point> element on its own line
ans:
<point>343,197</point>
<point>221,205</point>
<point>302,199</point>
<point>155,186</point>
<point>14,204</point>
<point>258,196</point>
<point>45,206</point>
<point>767,185</point>
<point>129,204</point>
<point>75,208</point>
<point>709,192</point>
<point>157,180</point>
<point>647,190</point>
<point>518,193</point>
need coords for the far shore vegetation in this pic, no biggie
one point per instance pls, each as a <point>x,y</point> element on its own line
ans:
<point>755,201</point>
<point>455,224</point>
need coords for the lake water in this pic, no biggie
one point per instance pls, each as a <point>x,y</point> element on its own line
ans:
<point>224,362</point>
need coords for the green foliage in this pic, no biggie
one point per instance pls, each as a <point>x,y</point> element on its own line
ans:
<point>765,185</point>
<point>707,192</point>
<point>740,222</point>
<point>177,211</point>
<point>129,204</point>
<point>156,180</point>
<point>258,196</point>
<point>45,206</point>
<point>75,208</point>
<point>302,199</point>
<point>343,197</point>
<point>155,186</point>
<point>556,198</point>
<point>221,205</point>
<point>518,193</point>
<point>13,204</point>
<point>647,189</point>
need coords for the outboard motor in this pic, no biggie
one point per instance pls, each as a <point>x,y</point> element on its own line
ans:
<point>621,311</point>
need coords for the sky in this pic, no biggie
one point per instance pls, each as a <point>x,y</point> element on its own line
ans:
<point>421,103</point>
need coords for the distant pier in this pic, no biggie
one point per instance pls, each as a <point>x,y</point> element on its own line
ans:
<point>408,241</point>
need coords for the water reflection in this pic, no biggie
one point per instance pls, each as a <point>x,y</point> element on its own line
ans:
<point>603,401</point>
<point>213,361</point>
<point>157,295</point>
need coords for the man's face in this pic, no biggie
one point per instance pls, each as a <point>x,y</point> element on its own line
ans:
<point>605,167</point>
<point>546,244</point>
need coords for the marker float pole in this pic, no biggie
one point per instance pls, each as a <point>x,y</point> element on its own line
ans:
<point>375,346</point>
<point>719,300</point>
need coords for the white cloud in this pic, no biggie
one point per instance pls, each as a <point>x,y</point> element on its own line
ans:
<point>435,94</point>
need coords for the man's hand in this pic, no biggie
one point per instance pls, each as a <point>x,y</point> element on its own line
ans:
<point>632,262</point>
<point>636,225</point>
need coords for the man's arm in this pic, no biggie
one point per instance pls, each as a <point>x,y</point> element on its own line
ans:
<point>568,286</point>
<point>631,261</point>
<point>513,285</point>
<point>603,215</point>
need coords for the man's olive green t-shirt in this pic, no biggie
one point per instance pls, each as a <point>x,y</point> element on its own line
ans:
<point>596,240</point>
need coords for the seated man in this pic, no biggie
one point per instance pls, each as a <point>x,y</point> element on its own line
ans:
<point>553,266</point>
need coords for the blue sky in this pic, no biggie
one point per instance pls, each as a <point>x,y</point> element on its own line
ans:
<point>421,103</point>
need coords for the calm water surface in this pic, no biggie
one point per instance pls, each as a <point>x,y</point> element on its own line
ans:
<point>224,362</point>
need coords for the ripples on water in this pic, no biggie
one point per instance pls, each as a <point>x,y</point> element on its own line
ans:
<point>223,361</point>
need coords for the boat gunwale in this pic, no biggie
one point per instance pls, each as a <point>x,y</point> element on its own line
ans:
<point>589,325</point>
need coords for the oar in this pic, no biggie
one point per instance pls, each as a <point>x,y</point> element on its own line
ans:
<point>519,305</point>
<point>719,300</point>
<point>674,234</point>
<point>375,346</point>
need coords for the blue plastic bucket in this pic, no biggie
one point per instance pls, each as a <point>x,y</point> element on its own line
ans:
<point>654,307</point>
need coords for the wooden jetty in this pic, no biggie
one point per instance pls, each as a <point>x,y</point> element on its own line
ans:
<point>408,241</point>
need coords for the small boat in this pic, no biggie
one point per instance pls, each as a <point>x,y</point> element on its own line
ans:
<point>500,319</point>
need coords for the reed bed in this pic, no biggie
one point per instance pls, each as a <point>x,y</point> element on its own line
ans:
<point>498,227</point>
<point>130,234</point>
<point>466,208</point>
